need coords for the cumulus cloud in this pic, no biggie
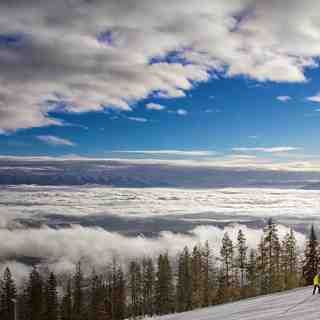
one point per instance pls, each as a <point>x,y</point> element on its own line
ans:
<point>61,249</point>
<point>155,106</point>
<point>265,149</point>
<point>182,112</point>
<point>55,141</point>
<point>79,56</point>
<point>284,98</point>
<point>315,98</point>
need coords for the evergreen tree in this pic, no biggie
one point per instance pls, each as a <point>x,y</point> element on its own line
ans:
<point>242,256</point>
<point>51,298</point>
<point>196,276</point>
<point>119,294</point>
<point>272,246</point>
<point>252,274</point>
<point>227,259</point>
<point>8,296</point>
<point>289,260</point>
<point>206,272</point>
<point>262,268</point>
<point>148,286</point>
<point>96,296</point>
<point>135,283</point>
<point>66,303</point>
<point>184,282</point>
<point>78,301</point>
<point>310,266</point>
<point>164,286</point>
<point>35,296</point>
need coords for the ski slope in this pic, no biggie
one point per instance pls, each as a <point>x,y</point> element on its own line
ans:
<point>290,305</point>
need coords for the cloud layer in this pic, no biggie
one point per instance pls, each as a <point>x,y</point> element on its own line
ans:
<point>79,56</point>
<point>61,249</point>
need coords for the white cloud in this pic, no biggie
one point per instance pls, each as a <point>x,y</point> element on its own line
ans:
<point>55,141</point>
<point>284,98</point>
<point>315,98</point>
<point>63,248</point>
<point>182,112</point>
<point>155,106</point>
<point>91,55</point>
<point>137,119</point>
<point>200,153</point>
<point>265,149</point>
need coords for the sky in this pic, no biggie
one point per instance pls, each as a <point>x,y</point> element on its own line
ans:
<point>121,79</point>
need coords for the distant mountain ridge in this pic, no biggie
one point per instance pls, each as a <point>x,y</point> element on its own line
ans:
<point>118,173</point>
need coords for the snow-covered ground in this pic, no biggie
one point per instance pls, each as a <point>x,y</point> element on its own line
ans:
<point>290,305</point>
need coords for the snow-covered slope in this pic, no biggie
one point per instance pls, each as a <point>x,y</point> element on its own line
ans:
<point>290,305</point>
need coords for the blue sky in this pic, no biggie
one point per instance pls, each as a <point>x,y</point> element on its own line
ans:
<point>222,114</point>
<point>242,78</point>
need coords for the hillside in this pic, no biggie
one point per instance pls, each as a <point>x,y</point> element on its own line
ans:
<point>290,305</point>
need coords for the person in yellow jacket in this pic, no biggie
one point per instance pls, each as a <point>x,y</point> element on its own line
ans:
<point>316,283</point>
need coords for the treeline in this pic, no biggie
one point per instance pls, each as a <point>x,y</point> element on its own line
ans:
<point>147,287</point>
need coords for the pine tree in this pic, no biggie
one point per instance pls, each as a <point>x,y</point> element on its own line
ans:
<point>310,266</point>
<point>148,286</point>
<point>164,286</point>
<point>289,260</point>
<point>272,246</point>
<point>135,283</point>
<point>119,294</point>
<point>66,303</point>
<point>35,296</point>
<point>78,301</point>
<point>242,256</point>
<point>196,276</point>
<point>51,298</point>
<point>23,302</point>
<point>252,274</point>
<point>95,296</point>
<point>227,253</point>
<point>8,296</point>
<point>184,283</point>
<point>206,272</point>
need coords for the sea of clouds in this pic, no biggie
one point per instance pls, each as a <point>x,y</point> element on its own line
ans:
<point>60,225</point>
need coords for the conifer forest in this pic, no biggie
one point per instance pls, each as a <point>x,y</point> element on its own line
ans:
<point>195,278</point>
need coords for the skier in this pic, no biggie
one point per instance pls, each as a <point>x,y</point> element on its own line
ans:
<point>316,282</point>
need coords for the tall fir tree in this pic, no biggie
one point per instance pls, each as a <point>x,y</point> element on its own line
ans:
<point>78,311</point>
<point>206,274</point>
<point>241,260</point>
<point>272,247</point>
<point>164,290</point>
<point>35,296</point>
<point>119,294</point>
<point>8,296</point>
<point>51,298</point>
<point>135,283</point>
<point>227,255</point>
<point>310,265</point>
<point>289,260</point>
<point>184,282</point>
<point>148,286</point>
<point>252,274</point>
<point>66,303</point>
<point>196,276</point>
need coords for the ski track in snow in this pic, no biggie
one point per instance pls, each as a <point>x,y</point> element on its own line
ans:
<point>289,305</point>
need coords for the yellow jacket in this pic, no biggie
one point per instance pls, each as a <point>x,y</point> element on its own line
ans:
<point>316,280</point>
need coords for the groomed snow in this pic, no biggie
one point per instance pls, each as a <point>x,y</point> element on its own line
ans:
<point>290,305</point>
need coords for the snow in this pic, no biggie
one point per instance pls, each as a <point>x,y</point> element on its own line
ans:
<point>289,305</point>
